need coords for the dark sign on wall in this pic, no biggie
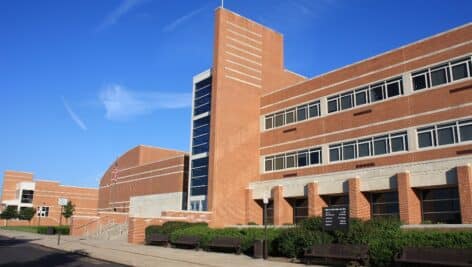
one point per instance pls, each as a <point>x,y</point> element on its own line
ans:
<point>336,218</point>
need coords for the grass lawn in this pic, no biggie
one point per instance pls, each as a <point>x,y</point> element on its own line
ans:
<point>30,229</point>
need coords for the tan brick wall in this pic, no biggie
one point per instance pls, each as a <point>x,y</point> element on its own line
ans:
<point>315,201</point>
<point>408,201</point>
<point>464,180</point>
<point>359,206</point>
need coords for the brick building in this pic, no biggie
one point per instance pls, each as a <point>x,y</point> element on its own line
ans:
<point>21,190</point>
<point>390,135</point>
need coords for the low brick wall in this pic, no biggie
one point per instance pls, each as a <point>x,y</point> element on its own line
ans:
<point>85,225</point>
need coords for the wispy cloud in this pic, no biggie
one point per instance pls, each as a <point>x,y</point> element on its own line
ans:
<point>115,15</point>
<point>122,104</point>
<point>74,116</point>
<point>179,21</point>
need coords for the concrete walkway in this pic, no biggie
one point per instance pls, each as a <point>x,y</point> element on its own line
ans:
<point>140,255</point>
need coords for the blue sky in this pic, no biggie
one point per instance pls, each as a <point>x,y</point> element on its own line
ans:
<point>84,81</point>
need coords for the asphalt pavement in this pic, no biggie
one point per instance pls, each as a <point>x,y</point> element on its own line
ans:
<point>22,252</point>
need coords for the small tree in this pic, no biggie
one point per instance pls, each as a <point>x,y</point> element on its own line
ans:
<point>9,213</point>
<point>68,210</point>
<point>27,214</point>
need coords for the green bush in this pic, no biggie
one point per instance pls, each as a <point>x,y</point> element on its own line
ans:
<point>292,242</point>
<point>169,227</point>
<point>64,230</point>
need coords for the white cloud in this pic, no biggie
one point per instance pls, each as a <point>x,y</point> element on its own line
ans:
<point>74,116</point>
<point>122,104</point>
<point>174,24</point>
<point>121,10</point>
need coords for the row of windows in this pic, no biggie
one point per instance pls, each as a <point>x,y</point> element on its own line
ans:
<point>292,115</point>
<point>369,94</point>
<point>444,134</point>
<point>295,159</point>
<point>426,78</point>
<point>372,146</point>
<point>441,74</point>
<point>438,205</point>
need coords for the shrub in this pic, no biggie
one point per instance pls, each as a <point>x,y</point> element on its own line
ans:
<point>292,242</point>
<point>64,230</point>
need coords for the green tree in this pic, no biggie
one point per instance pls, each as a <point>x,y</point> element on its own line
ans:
<point>9,213</point>
<point>68,210</point>
<point>27,214</point>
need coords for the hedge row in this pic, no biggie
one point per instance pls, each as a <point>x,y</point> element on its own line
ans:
<point>383,236</point>
<point>63,229</point>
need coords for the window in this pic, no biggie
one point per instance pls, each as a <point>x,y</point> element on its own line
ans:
<point>300,209</point>
<point>302,158</point>
<point>439,75</point>
<point>336,200</point>
<point>442,74</point>
<point>445,133</point>
<point>335,152</point>
<point>420,80</point>
<point>332,104</point>
<point>378,145</point>
<point>315,156</point>
<point>384,204</point>
<point>381,145</point>
<point>279,119</point>
<point>43,211</point>
<point>302,113</point>
<point>294,159</point>
<point>372,93</point>
<point>290,116</point>
<point>270,212</point>
<point>269,163</point>
<point>465,130</point>
<point>441,205</point>
<point>269,122</point>
<point>27,196</point>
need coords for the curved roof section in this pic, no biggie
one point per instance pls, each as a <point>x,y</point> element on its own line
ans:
<point>138,156</point>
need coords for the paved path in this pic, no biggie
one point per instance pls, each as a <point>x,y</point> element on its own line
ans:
<point>21,252</point>
<point>140,255</point>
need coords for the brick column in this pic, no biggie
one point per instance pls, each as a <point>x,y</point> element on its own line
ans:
<point>315,202</point>
<point>283,211</point>
<point>464,181</point>
<point>408,201</point>
<point>253,210</point>
<point>359,206</point>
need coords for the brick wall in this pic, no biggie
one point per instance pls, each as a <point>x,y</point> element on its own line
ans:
<point>464,180</point>
<point>359,206</point>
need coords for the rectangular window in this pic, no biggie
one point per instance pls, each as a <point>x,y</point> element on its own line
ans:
<point>441,205</point>
<point>332,104</point>
<point>314,109</point>
<point>420,80</point>
<point>347,100</point>
<point>385,204</point>
<point>279,119</point>
<point>43,212</point>
<point>336,200</point>
<point>446,134</point>
<point>27,196</point>
<point>365,147</point>
<point>349,150</point>
<point>381,145</point>
<point>269,122</point>
<point>269,164</point>
<point>300,209</point>
<point>289,116</point>
<point>399,142</point>
<point>302,158</point>
<point>315,156</point>
<point>426,137</point>
<point>376,93</point>
<point>465,130</point>
<point>439,75</point>
<point>335,152</point>
<point>361,96</point>
<point>279,162</point>
<point>290,160</point>
<point>394,88</point>
<point>460,69</point>
<point>302,113</point>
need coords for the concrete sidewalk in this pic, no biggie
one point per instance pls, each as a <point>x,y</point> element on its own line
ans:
<point>140,255</point>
